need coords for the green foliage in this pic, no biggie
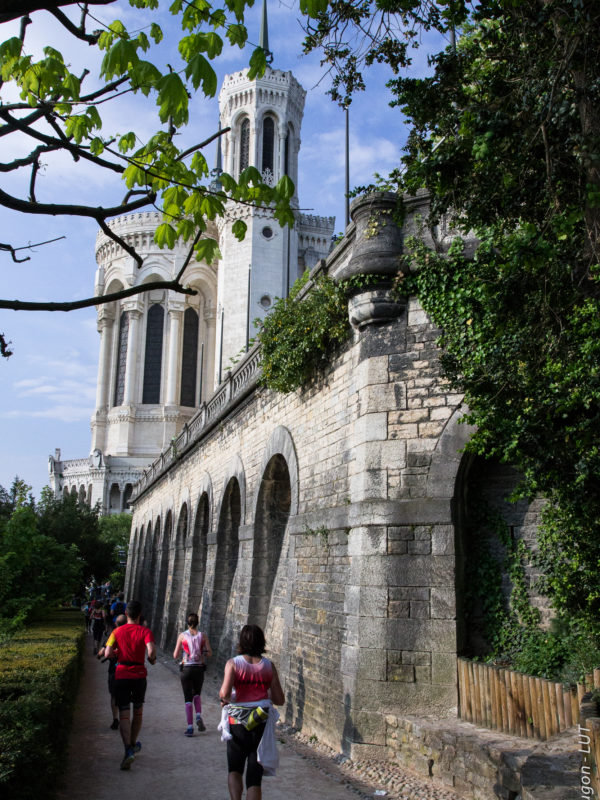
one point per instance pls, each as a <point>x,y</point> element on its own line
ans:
<point>150,167</point>
<point>301,330</point>
<point>297,333</point>
<point>504,136</point>
<point>39,675</point>
<point>507,620</point>
<point>72,523</point>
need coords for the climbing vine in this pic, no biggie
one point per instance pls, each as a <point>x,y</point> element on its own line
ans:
<point>301,330</point>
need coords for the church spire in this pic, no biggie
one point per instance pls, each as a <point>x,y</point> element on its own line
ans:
<point>264,33</point>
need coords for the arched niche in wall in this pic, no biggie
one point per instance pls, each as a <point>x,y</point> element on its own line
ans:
<point>488,526</point>
<point>148,585</point>
<point>272,513</point>
<point>163,576</point>
<point>199,549</point>
<point>175,596</point>
<point>225,567</point>
<point>114,500</point>
<point>276,500</point>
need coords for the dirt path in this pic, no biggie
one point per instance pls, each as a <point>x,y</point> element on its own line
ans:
<point>173,766</point>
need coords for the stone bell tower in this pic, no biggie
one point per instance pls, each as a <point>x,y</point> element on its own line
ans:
<point>264,116</point>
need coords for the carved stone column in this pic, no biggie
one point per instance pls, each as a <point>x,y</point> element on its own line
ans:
<point>133,347</point>
<point>175,315</point>
<point>106,318</point>
<point>210,342</point>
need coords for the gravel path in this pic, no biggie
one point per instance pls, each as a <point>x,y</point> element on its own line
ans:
<point>171,765</point>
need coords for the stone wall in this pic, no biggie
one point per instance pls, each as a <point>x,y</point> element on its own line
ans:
<point>326,515</point>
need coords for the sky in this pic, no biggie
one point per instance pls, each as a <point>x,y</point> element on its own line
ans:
<point>48,386</point>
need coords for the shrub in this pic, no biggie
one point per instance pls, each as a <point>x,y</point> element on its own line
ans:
<point>39,674</point>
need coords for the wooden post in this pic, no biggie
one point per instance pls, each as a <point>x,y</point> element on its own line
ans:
<point>512,719</point>
<point>476,698</point>
<point>567,705</point>
<point>562,722</point>
<point>493,696</point>
<point>597,679</point>
<point>487,694</point>
<point>518,699</point>
<point>553,708</point>
<point>574,705</point>
<point>541,716</point>
<point>528,707</point>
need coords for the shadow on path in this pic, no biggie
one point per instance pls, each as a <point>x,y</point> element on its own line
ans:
<point>170,764</point>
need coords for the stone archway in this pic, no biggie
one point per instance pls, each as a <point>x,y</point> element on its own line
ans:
<point>483,515</point>
<point>163,579</point>
<point>199,554</point>
<point>272,512</point>
<point>144,589</point>
<point>221,631</point>
<point>176,589</point>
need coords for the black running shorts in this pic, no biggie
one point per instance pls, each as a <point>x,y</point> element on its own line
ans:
<point>130,690</point>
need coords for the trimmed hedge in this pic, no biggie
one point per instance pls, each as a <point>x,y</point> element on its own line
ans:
<point>39,675</point>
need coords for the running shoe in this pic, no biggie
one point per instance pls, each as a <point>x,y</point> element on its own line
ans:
<point>136,747</point>
<point>200,723</point>
<point>189,731</point>
<point>128,758</point>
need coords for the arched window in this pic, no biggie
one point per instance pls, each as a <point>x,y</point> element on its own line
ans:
<point>286,155</point>
<point>244,145</point>
<point>268,144</point>
<point>121,358</point>
<point>189,358</point>
<point>153,355</point>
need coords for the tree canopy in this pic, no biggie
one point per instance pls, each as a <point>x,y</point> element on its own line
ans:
<point>47,110</point>
<point>505,136</point>
<point>50,550</point>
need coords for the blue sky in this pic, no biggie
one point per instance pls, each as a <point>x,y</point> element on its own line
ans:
<point>49,384</point>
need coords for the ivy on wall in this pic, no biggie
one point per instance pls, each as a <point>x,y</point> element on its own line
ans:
<point>301,330</point>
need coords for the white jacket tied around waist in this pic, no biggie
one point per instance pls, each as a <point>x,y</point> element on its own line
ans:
<point>267,753</point>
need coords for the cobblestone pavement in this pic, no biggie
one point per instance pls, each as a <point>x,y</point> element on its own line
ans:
<point>171,765</point>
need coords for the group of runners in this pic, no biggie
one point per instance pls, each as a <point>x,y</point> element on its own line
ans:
<point>249,692</point>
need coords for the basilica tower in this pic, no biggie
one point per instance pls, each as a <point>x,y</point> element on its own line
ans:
<point>163,354</point>
<point>264,116</point>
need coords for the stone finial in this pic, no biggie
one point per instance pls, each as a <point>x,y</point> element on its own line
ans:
<point>378,242</point>
<point>376,252</point>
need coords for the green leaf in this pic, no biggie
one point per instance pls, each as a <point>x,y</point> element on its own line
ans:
<point>156,32</point>
<point>258,64</point>
<point>207,250</point>
<point>165,236</point>
<point>285,187</point>
<point>172,99</point>
<point>201,72</point>
<point>127,142</point>
<point>237,35</point>
<point>239,229</point>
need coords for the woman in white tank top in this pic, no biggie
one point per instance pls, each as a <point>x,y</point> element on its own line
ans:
<point>195,646</point>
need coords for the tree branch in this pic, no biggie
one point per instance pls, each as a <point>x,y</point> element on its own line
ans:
<point>116,238</point>
<point>28,160</point>
<point>66,209</point>
<point>13,9</point>
<point>79,33</point>
<point>75,150</point>
<point>25,305</point>
<point>13,250</point>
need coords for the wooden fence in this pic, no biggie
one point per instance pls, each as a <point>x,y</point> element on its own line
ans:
<point>515,703</point>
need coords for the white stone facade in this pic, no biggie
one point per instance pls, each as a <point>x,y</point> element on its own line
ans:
<point>150,383</point>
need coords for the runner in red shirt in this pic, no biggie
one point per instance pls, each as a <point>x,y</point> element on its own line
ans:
<point>131,643</point>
